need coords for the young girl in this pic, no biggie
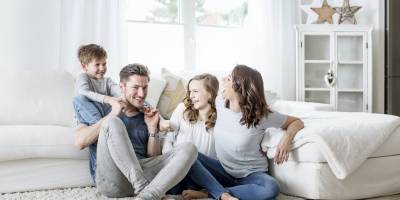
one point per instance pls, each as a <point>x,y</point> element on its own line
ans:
<point>193,121</point>
<point>243,117</point>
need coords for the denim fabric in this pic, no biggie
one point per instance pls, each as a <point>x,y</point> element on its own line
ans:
<point>89,112</point>
<point>198,178</point>
<point>255,186</point>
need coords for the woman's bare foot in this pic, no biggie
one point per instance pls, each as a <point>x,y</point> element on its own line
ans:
<point>227,196</point>
<point>167,198</point>
<point>194,194</point>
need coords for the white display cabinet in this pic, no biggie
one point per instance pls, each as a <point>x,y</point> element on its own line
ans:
<point>334,66</point>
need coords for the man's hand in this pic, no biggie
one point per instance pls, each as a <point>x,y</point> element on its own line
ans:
<point>151,118</point>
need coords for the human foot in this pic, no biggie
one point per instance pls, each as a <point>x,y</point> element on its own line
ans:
<point>194,194</point>
<point>167,197</point>
<point>227,196</point>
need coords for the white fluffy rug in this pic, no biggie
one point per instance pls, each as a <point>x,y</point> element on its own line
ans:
<point>88,193</point>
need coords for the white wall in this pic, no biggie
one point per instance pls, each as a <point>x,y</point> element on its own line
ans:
<point>373,13</point>
<point>29,34</point>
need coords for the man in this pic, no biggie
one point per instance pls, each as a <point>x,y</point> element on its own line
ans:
<point>125,151</point>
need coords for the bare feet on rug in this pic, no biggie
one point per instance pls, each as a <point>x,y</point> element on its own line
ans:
<point>194,194</point>
<point>227,196</point>
<point>167,198</point>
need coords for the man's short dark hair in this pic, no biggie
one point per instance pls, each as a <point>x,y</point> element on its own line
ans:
<point>133,69</point>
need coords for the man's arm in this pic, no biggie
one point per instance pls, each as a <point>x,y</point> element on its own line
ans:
<point>152,118</point>
<point>87,135</point>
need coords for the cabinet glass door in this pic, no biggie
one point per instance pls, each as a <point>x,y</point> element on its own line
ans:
<point>317,96</point>
<point>316,47</point>
<point>315,88</point>
<point>349,77</point>
<point>350,72</point>
<point>314,75</point>
<point>350,48</point>
<point>350,101</point>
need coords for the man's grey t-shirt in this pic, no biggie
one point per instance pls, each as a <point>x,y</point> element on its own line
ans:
<point>138,135</point>
<point>238,147</point>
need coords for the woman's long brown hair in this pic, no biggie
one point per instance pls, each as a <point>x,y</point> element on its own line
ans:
<point>211,85</point>
<point>249,86</point>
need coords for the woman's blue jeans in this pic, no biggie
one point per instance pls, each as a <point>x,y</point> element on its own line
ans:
<point>255,186</point>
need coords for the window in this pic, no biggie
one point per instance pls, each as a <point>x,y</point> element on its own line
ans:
<point>220,13</point>
<point>160,33</point>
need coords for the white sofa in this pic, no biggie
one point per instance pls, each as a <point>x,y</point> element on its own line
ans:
<point>36,130</point>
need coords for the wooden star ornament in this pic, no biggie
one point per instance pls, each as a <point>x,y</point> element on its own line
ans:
<point>346,12</point>
<point>325,13</point>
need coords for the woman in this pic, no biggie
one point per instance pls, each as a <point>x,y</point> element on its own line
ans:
<point>193,121</point>
<point>243,117</point>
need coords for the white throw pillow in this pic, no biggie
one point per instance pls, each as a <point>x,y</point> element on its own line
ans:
<point>156,87</point>
<point>270,97</point>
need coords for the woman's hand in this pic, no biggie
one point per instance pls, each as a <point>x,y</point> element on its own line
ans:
<point>282,151</point>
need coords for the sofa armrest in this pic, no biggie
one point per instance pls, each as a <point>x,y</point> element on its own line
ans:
<point>298,107</point>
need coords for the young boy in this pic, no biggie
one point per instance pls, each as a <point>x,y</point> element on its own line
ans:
<point>96,93</point>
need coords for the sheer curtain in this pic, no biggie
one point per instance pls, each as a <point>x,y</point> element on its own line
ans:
<point>270,36</point>
<point>90,21</point>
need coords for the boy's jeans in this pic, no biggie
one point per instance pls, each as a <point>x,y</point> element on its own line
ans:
<point>119,173</point>
<point>89,112</point>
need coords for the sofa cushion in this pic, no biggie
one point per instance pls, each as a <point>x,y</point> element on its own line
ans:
<point>36,98</point>
<point>21,142</point>
<point>172,95</point>
<point>156,87</point>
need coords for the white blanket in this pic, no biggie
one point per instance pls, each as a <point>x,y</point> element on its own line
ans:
<point>345,139</point>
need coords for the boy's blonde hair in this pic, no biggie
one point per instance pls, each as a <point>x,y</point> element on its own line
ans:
<point>86,53</point>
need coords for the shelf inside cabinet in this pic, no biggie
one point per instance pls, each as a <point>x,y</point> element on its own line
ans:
<point>317,61</point>
<point>317,89</point>
<point>351,63</point>
<point>350,90</point>
<point>317,96</point>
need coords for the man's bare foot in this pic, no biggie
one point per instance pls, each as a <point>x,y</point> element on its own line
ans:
<point>227,196</point>
<point>194,194</point>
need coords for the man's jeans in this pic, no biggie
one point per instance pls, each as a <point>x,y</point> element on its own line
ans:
<point>120,174</point>
<point>256,186</point>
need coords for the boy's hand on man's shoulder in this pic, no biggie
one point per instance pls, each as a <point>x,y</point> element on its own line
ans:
<point>116,105</point>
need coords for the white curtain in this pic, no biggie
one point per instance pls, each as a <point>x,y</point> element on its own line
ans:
<point>90,21</point>
<point>271,37</point>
